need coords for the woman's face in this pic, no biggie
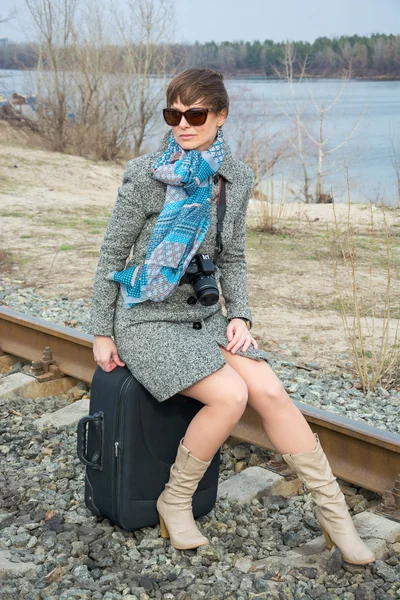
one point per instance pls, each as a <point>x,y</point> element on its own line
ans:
<point>196,137</point>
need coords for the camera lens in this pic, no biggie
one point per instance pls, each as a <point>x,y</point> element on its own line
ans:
<point>205,289</point>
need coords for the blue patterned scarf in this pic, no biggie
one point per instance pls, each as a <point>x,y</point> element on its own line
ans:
<point>180,227</point>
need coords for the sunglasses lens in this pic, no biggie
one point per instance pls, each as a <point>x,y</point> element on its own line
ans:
<point>196,116</point>
<point>172,117</point>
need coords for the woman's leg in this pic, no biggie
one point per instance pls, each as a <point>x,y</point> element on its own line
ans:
<point>224,395</point>
<point>292,437</point>
<point>283,422</point>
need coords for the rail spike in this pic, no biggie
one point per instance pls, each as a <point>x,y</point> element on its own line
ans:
<point>45,369</point>
<point>390,505</point>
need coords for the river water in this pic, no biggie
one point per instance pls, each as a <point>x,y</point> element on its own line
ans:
<point>367,111</point>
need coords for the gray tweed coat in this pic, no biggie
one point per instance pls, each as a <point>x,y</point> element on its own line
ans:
<point>172,344</point>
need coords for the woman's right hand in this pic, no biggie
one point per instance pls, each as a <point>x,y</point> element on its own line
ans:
<point>105,353</point>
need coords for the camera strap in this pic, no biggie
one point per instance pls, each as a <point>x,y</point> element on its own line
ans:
<point>221,209</point>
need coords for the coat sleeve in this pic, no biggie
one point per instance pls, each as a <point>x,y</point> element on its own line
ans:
<point>232,264</point>
<point>126,221</point>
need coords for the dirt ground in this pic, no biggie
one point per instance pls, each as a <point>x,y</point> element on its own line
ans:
<point>54,209</point>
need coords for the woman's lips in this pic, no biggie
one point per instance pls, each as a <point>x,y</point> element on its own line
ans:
<point>186,136</point>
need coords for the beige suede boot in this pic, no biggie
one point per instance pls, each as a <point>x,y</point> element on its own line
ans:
<point>331,511</point>
<point>174,505</point>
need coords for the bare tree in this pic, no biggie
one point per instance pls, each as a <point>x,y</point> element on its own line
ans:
<point>3,19</point>
<point>255,144</point>
<point>10,16</point>
<point>319,140</point>
<point>296,136</point>
<point>101,73</point>
<point>264,151</point>
<point>395,159</point>
<point>100,120</point>
<point>54,22</point>
<point>145,34</point>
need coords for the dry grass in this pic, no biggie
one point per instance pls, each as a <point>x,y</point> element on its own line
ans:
<point>370,313</point>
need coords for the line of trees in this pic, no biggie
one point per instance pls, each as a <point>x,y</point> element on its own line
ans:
<point>375,56</point>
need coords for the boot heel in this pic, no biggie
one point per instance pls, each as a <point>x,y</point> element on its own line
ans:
<point>163,528</point>
<point>328,539</point>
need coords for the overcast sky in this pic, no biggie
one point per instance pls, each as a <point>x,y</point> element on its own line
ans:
<point>250,20</point>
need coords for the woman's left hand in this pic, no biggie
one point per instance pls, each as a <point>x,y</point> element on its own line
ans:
<point>239,336</point>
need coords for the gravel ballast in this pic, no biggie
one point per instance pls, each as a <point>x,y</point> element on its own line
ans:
<point>70,554</point>
<point>52,547</point>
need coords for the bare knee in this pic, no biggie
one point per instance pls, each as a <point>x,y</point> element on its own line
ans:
<point>234,398</point>
<point>270,397</point>
<point>225,390</point>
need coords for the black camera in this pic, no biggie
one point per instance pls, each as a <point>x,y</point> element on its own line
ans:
<point>200,273</point>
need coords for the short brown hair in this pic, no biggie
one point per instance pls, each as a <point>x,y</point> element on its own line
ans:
<point>196,85</point>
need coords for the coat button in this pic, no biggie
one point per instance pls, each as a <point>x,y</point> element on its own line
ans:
<point>197,325</point>
<point>192,300</point>
<point>216,179</point>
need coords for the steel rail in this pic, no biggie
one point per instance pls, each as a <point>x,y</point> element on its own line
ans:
<point>26,337</point>
<point>358,453</point>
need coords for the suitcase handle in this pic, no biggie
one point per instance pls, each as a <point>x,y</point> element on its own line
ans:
<point>95,461</point>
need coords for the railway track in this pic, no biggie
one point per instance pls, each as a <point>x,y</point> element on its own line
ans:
<point>359,454</point>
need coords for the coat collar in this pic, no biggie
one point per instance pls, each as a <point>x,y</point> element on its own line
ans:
<point>227,167</point>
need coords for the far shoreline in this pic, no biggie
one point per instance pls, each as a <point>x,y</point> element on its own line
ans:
<point>257,75</point>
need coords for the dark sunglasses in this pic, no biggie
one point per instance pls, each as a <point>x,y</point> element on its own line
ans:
<point>194,116</point>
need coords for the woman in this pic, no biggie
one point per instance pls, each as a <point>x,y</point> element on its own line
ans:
<point>171,342</point>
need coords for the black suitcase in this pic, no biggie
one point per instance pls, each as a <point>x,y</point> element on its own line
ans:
<point>128,443</point>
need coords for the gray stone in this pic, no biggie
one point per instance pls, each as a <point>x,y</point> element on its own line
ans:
<point>151,544</point>
<point>49,591</point>
<point>78,548</point>
<point>371,525</point>
<point>21,540</point>
<point>134,554</point>
<point>76,594</point>
<point>209,552</point>
<point>318,545</point>
<point>378,547</point>
<point>240,452</point>
<point>243,564</point>
<point>12,385</point>
<point>261,584</point>
<point>292,561</point>
<point>69,415</point>
<point>246,584</point>
<point>242,532</point>
<point>386,572</point>
<point>313,548</point>
<point>9,568</point>
<point>334,562</point>
<point>365,591</point>
<point>308,572</point>
<point>255,482</point>
<point>82,573</point>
